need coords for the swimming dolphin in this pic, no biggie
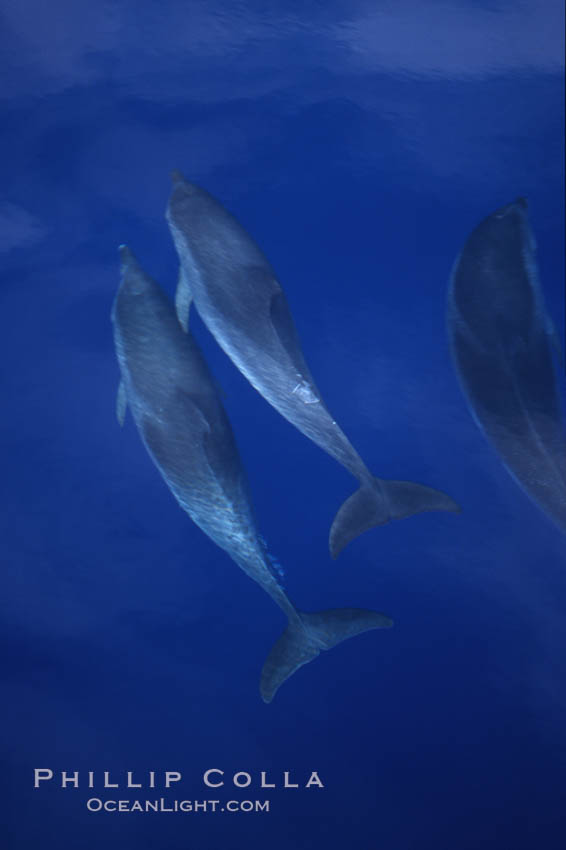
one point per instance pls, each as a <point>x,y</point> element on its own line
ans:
<point>240,300</point>
<point>502,342</point>
<point>177,409</point>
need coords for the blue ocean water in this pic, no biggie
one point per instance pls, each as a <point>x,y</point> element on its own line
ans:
<point>359,144</point>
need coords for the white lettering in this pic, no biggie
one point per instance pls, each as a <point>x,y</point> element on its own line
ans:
<point>314,780</point>
<point>287,783</point>
<point>107,783</point>
<point>72,779</point>
<point>171,776</point>
<point>245,783</point>
<point>264,782</point>
<point>213,784</point>
<point>47,774</point>
<point>132,784</point>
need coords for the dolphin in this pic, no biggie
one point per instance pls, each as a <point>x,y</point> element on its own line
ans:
<point>239,298</point>
<point>504,349</point>
<point>176,406</point>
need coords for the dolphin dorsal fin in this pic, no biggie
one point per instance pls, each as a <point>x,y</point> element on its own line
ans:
<point>121,403</point>
<point>183,299</point>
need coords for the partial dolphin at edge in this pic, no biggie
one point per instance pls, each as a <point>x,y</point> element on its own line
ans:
<point>239,298</point>
<point>176,406</point>
<point>506,352</point>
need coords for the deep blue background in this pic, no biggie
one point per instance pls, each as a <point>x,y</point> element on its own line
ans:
<point>359,142</point>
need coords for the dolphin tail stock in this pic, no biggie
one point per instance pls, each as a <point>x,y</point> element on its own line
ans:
<point>307,635</point>
<point>377,502</point>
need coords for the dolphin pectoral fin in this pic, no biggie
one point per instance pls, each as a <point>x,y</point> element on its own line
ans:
<point>377,502</point>
<point>121,403</point>
<point>284,328</point>
<point>183,299</point>
<point>304,639</point>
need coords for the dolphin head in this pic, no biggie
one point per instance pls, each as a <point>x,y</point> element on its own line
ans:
<point>133,280</point>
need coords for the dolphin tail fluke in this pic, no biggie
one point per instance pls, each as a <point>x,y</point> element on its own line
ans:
<point>305,637</point>
<point>377,502</point>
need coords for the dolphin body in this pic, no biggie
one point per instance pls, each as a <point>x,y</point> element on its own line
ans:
<point>177,409</point>
<point>502,342</point>
<point>237,295</point>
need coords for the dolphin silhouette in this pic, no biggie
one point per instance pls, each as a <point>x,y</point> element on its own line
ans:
<point>502,342</point>
<point>176,406</point>
<point>240,300</point>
